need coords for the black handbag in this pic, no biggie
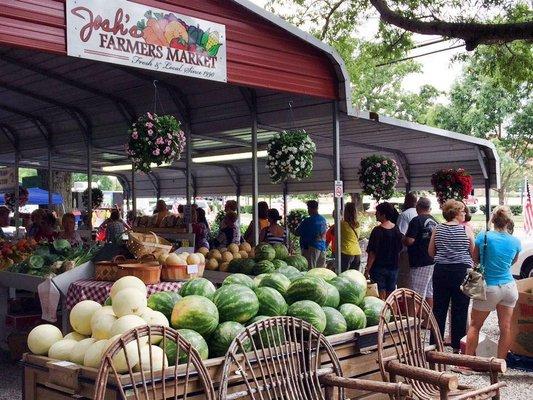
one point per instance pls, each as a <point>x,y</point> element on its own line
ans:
<point>474,285</point>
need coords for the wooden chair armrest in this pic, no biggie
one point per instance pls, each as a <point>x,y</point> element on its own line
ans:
<point>399,390</point>
<point>442,379</point>
<point>487,364</point>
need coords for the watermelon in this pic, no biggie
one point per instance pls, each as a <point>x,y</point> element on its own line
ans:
<point>199,287</point>
<point>308,311</point>
<point>222,337</point>
<point>354,316</point>
<point>247,266</point>
<point>354,275</point>
<point>279,264</point>
<point>335,322</point>
<point>194,338</point>
<point>175,295</point>
<point>264,251</point>
<point>276,281</point>
<point>268,336</point>
<point>236,303</point>
<point>264,267</point>
<point>307,288</point>
<point>162,302</point>
<point>281,251</point>
<point>349,290</point>
<point>333,298</point>
<point>271,302</point>
<point>235,265</point>
<point>108,301</point>
<point>323,273</point>
<point>290,272</point>
<point>372,307</point>
<point>197,313</point>
<point>298,261</point>
<point>239,279</point>
<point>258,279</point>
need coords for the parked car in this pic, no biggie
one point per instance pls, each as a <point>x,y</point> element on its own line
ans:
<point>523,267</point>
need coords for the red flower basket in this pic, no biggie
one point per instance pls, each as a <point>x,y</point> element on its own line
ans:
<point>451,184</point>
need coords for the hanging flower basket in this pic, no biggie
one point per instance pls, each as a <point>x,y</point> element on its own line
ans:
<point>451,184</point>
<point>290,156</point>
<point>295,218</point>
<point>97,198</point>
<point>9,198</point>
<point>378,176</point>
<point>155,139</point>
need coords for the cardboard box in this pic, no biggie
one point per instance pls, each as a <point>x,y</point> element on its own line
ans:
<point>522,321</point>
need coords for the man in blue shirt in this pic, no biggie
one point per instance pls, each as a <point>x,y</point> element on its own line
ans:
<point>312,232</point>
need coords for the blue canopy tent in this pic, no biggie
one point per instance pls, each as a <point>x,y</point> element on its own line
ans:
<point>38,196</point>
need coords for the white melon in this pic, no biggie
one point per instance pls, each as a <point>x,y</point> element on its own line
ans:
<point>75,336</point>
<point>125,323</point>
<point>158,361</point>
<point>127,282</point>
<point>155,318</point>
<point>101,325</point>
<point>129,301</point>
<point>78,351</point>
<point>62,350</point>
<point>193,259</point>
<point>81,314</point>
<point>132,353</point>
<point>94,354</point>
<point>42,337</point>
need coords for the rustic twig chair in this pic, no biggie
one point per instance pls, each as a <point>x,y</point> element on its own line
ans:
<point>287,358</point>
<point>408,320</point>
<point>155,380</point>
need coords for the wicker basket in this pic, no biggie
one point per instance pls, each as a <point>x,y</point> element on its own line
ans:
<point>147,272</point>
<point>142,244</point>
<point>108,270</point>
<point>172,273</point>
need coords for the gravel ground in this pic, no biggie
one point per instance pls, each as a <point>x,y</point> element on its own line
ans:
<point>519,383</point>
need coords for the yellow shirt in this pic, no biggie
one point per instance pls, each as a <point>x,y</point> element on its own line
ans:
<point>349,240</point>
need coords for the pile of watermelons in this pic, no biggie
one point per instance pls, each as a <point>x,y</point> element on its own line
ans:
<point>268,258</point>
<point>211,318</point>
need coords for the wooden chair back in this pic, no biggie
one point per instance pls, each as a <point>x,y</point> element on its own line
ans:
<point>279,358</point>
<point>408,320</point>
<point>122,361</point>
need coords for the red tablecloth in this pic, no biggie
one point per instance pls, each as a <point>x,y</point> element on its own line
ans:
<point>88,289</point>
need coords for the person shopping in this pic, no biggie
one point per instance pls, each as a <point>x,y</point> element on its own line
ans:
<point>497,251</point>
<point>350,231</point>
<point>273,233</point>
<point>312,233</point>
<point>384,246</point>
<point>69,232</point>
<point>262,211</point>
<point>451,246</point>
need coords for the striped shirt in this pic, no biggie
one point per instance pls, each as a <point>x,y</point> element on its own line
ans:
<point>273,239</point>
<point>452,245</point>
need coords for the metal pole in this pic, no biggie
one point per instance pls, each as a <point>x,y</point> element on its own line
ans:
<point>337,177</point>
<point>89,185</point>
<point>487,202</point>
<point>255,179</point>
<point>133,196</point>
<point>50,179</point>
<point>17,200</point>
<point>188,172</point>
<point>285,193</point>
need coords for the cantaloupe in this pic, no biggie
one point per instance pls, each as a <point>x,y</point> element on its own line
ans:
<point>245,247</point>
<point>93,355</point>
<point>211,264</point>
<point>155,318</point>
<point>78,351</point>
<point>101,325</point>
<point>203,251</point>
<point>42,337</point>
<point>81,314</point>
<point>125,323</point>
<point>237,256</point>
<point>243,254</point>
<point>158,361</point>
<point>62,350</point>
<point>216,254</point>
<point>128,282</point>
<point>129,301</point>
<point>234,248</point>
<point>75,336</point>
<point>193,259</point>
<point>201,257</point>
<point>227,256</point>
<point>224,267</point>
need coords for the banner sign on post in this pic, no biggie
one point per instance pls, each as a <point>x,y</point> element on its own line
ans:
<point>135,35</point>
<point>7,179</point>
<point>339,190</point>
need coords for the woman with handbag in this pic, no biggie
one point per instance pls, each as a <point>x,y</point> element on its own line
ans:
<point>451,246</point>
<point>497,251</point>
<point>350,250</point>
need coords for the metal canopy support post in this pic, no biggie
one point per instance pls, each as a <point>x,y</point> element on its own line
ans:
<point>50,179</point>
<point>486,175</point>
<point>188,171</point>
<point>285,194</point>
<point>133,195</point>
<point>255,179</point>
<point>337,177</point>
<point>17,199</point>
<point>90,185</point>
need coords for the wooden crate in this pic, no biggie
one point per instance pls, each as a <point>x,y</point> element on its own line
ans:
<point>46,379</point>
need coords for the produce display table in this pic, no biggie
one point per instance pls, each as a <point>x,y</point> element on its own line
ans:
<point>89,289</point>
<point>46,379</point>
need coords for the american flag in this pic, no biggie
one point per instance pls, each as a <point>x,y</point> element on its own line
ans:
<point>528,212</point>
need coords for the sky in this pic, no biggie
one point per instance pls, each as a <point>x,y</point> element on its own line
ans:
<point>437,69</point>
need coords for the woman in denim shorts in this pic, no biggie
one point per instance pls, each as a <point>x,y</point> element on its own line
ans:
<point>497,257</point>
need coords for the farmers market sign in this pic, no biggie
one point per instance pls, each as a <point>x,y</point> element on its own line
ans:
<point>126,33</point>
